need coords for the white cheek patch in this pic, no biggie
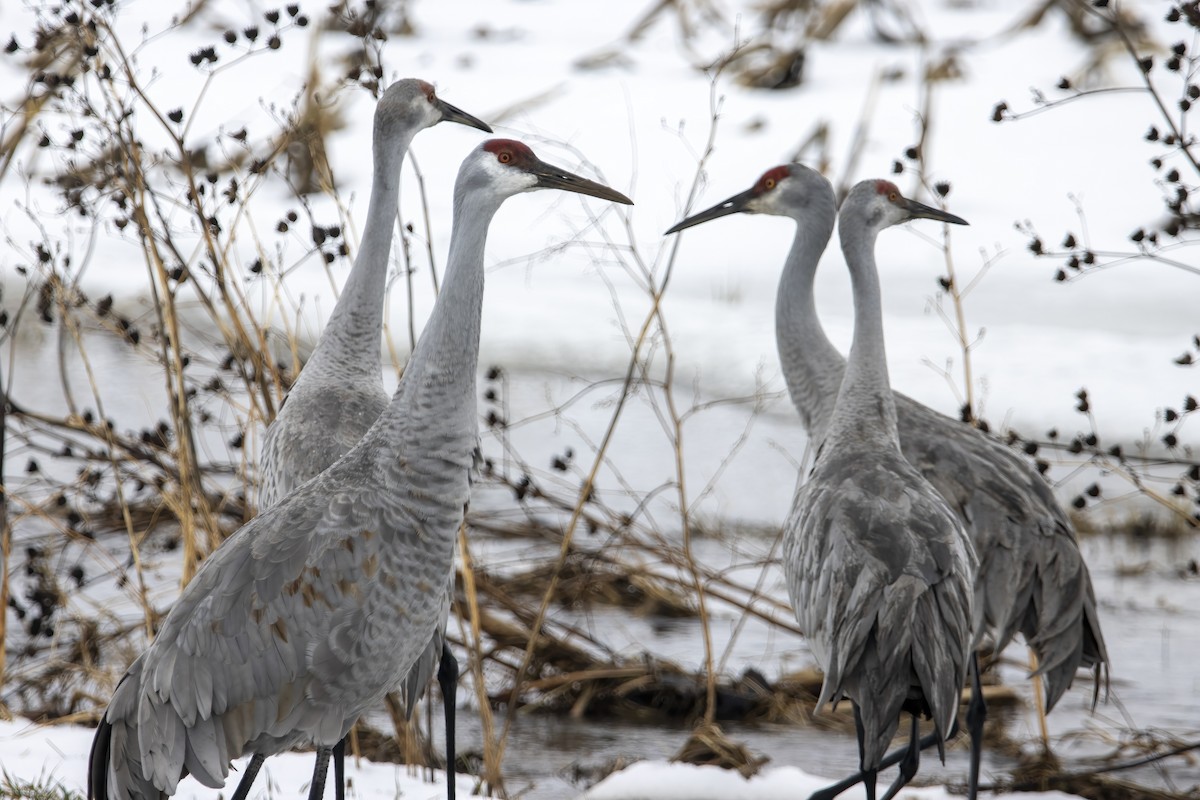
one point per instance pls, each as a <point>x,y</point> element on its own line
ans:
<point>506,179</point>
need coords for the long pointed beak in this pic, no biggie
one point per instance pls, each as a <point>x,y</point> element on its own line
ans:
<point>733,205</point>
<point>455,114</point>
<point>921,211</point>
<point>552,177</point>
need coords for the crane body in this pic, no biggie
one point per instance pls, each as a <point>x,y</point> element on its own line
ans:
<point>339,393</point>
<point>880,571</point>
<point>314,610</point>
<point>1032,577</point>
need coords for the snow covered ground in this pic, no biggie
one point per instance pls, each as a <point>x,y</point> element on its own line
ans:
<point>57,755</point>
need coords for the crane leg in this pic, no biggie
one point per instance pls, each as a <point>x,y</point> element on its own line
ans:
<point>448,681</point>
<point>339,768</point>
<point>243,787</point>
<point>890,760</point>
<point>976,714</point>
<point>317,790</point>
<point>909,763</point>
<point>866,777</point>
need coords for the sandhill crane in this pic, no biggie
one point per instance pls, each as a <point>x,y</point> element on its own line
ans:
<point>880,571</point>
<point>311,612</point>
<point>339,392</point>
<point>1032,577</point>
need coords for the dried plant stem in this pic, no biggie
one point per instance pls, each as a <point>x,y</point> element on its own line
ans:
<point>148,613</point>
<point>859,140</point>
<point>710,674</point>
<point>493,750</point>
<point>957,294</point>
<point>960,331</point>
<point>5,529</point>
<point>632,369</point>
<point>1039,700</point>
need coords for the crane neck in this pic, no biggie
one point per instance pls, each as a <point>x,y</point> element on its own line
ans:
<point>866,409</point>
<point>436,395</point>
<point>350,343</point>
<point>812,366</point>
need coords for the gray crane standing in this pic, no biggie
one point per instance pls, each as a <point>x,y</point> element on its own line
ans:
<point>311,612</point>
<point>1032,577</point>
<point>339,392</point>
<point>879,570</point>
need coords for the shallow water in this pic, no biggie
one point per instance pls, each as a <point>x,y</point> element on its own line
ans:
<point>1147,601</point>
<point>1147,596</point>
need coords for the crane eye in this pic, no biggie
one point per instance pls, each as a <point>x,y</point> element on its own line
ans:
<point>893,196</point>
<point>505,157</point>
<point>769,183</point>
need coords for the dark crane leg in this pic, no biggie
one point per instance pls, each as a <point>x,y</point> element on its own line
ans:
<point>339,768</point>
<point>868,774</point>
<point>976,714</point>
<point>448,681</point>
<point>864,776</point>
<point>243,787</point>
<point>317,790</point>
<point>890,760</point>
<point>909,763</point>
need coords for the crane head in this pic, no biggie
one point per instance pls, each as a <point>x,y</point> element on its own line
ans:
<point>879,204</point>
<point>789,190</point>
<point>413,104</point>
<point>511,168</point>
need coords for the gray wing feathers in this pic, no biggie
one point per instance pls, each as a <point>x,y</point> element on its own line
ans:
<point>881,577</point>
<point>1032,576</point>
<point>242,660</point>
<point>319,423</point>
<point>422,671</point>
<point>125,777</point>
